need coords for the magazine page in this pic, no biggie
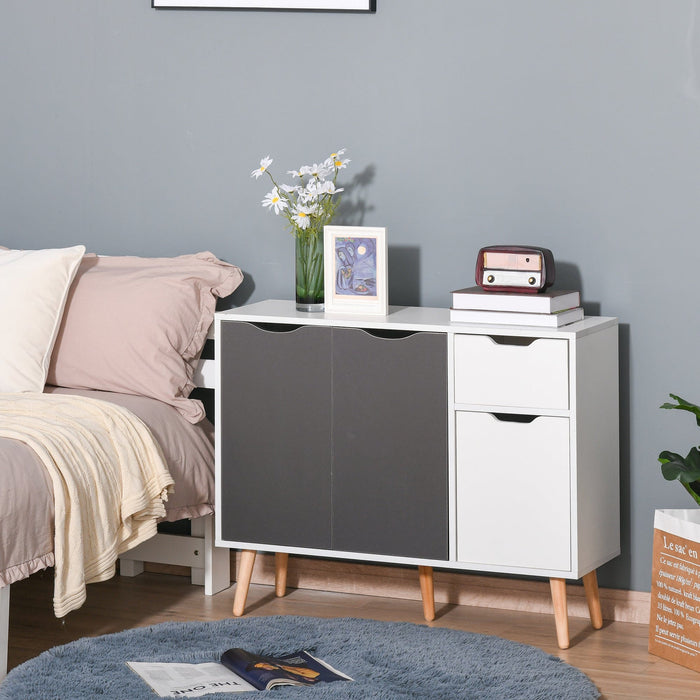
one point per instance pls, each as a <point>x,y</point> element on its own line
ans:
<point>264,672</point>
<point>172,680</point>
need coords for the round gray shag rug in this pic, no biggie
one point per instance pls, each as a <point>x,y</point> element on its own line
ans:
<point>385,659</point>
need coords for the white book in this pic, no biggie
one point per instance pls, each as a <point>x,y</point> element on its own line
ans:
<point>515,318</point>
<point>546,302</point>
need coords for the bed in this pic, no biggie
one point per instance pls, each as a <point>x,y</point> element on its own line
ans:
<point>121,337</point>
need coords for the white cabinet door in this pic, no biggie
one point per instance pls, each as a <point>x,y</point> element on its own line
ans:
<point>513,501</point>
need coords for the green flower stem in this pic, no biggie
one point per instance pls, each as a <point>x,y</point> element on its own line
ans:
<point>309,266</point>
<point>316,273</point>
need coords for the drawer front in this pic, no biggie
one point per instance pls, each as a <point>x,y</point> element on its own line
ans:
<point>513,504</point>
<point>496,372</point>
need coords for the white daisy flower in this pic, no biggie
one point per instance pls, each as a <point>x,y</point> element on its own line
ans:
<point>328,187</point>
<point>309,193</point>
<point>318,170</point>
<point>336,156</point>
<point>313,188</point>
<point>265,163</point>
<point>295,173</point>
<point>302,216</point>
<point>307,198</point>
<point>274,202</point>
<point>289,189</point>
<point>340,164</point>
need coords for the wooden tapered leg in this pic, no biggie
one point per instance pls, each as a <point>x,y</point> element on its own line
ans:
<point>427,591</point>
<point>561,615</point>
<point>245,572</point>
<point>590,586</point>
<point>281,561</point>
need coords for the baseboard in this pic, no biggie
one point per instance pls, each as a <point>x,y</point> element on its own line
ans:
<point>451,587</point>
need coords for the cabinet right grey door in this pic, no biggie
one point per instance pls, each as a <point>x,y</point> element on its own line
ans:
<point>389,464</point>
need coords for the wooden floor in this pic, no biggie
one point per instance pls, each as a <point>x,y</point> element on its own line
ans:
<point>615,658</point>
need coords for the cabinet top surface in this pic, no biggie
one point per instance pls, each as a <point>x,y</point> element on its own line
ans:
<point>418,318</point>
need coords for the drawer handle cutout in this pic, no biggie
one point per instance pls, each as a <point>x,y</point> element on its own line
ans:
<point>388,334</point>
<point>276,327</point>
<point>512,340</point>
<point>514,417</point>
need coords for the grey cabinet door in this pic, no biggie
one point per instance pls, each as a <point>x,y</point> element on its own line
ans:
<point>389,489</point>
<point>275,427</point>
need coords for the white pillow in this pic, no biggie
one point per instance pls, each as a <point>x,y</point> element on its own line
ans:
<point>34,286</point>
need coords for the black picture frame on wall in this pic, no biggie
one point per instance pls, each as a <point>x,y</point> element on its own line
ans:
<point>314,5</point>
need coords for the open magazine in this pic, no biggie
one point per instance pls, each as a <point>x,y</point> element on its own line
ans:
<point>175,680</point>
<point>265,672</point>
<point>239,671</point>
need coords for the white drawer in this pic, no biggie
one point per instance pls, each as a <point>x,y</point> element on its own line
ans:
<point>513,505</point>
<point>494,373</point>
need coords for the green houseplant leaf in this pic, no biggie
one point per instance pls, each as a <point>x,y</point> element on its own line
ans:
<point>683,405</point>
<point>676,467</point>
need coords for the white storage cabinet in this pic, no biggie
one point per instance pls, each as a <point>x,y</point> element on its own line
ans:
<point>459,446</point>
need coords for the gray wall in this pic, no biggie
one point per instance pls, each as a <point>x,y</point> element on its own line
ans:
<point>572,125</point>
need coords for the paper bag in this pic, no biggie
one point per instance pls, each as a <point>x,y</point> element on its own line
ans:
<point>674,624</point>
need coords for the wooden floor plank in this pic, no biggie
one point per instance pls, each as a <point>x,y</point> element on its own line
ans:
<point>615,657</point>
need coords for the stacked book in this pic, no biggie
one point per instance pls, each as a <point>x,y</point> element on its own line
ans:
<point>550,309</point>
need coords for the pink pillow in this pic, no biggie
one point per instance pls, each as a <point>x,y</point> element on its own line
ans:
<point>138,325</point>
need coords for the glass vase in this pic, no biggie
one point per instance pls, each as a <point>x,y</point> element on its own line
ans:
<point>309,270</point>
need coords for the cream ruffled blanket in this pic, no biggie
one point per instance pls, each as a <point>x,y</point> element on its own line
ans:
<point>109,482</point>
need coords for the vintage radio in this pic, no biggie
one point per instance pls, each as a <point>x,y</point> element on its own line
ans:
<point>514,268</point>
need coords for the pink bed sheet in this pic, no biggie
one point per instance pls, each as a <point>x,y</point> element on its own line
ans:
<point>26,494</point>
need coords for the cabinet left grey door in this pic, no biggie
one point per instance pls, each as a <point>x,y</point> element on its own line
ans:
<point>275,427</point>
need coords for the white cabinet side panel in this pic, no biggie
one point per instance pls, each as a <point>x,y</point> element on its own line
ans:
<point>597,449</point>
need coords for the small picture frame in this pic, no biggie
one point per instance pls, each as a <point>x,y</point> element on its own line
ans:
<point>355,267</point>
